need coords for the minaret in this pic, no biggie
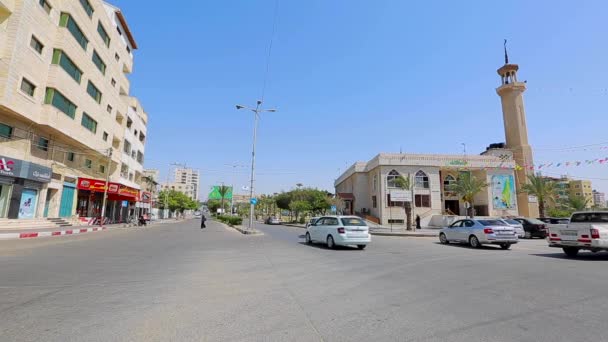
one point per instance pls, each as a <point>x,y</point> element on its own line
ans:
<point>516,132</point>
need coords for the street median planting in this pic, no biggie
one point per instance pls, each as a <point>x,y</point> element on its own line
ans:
<point>230,220</point>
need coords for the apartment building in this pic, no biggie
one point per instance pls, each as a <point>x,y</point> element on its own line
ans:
<point>190,177</point>
<point>599,199</point>
<point>582,188</point>
<point>65,110</point>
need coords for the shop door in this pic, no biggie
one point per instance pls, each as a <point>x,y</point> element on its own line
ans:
<point>27,206</point>
<point>5,199</point>
<point>67,202</point>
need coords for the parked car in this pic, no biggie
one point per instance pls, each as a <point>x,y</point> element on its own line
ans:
<point>519,228</point>
<point>533,227</point>
<point>273,220</point>
<point>311,221</point>
<point>586,231</point>
<point>339,231</point>
<point>479,232</point>
<point>554,220</point>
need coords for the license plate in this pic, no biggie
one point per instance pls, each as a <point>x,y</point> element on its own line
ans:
<point>569,232</point>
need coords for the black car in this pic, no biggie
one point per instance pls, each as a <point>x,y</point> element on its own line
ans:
<point>533,227</point>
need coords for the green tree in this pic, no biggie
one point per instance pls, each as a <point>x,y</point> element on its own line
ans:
<point>299,207</point>
<point>577,203</point>
<point>467,187</point>
<point>543,188</point>
<point>223,190</point>
<point>213,205</point>
<point>405,183</point>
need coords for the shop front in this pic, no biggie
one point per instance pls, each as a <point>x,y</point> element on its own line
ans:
<point>144,203</point>
<point>22,188</point>
<point>120,204</point>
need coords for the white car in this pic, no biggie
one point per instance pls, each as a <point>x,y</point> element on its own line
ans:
<point>519,228</point>
<point>587,230</point>
<point>339,231</point>
<point>479,232</point>
<point>312,221</point>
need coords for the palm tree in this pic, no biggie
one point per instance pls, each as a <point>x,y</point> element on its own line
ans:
<point>299,185</point>
<point>223,191</point>
<point>467,187</point>
<point>406,184</point>
<point>577,203</point>
<point>543,188</point>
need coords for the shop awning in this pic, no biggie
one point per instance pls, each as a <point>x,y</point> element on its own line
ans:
<point>116,191</point>
<point>346,196</point>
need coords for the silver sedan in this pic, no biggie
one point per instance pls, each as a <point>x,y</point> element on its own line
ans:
<point>479,232</point>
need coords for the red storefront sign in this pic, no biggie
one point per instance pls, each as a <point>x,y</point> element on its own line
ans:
<point>119,191</point>
<point>145,197</point>
<point>128,192</point>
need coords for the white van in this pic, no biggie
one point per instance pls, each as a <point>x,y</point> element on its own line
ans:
<point>339,231</point>
<point>587,230</point>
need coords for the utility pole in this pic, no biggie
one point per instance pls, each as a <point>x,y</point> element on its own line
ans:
<point>105,190</point>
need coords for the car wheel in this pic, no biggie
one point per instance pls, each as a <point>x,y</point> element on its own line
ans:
<point>527,235</point>
<point>474,241</point>
<point>571,252</point>
<point>505,245</point>
<point>443,239</point>
<point>330,242</point>
<point>308,239</point>
<point>361,247</point>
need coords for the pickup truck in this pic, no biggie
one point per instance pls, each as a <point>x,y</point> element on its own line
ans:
<point>587,230</point>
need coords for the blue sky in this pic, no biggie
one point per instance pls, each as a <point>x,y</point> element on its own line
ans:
<point>354,78</point>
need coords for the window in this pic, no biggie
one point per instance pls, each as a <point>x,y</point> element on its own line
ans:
<point>129,122</point>
<point>99,62</point>
<point>36,45</point>
<point>127,147</point>
<point>87,7</point>
<point>375,183</point>
<point>390,179</point>
<point>135,133</point>
<point>140,157</point>
<point>128,49</point>
<point>422,180</point>
<point>423,201</point>
<point>578,194</point>
<point>46,6</point>
<point>68,22</point>
<point>43,144</point>
<point>353,222</point>
<point>27,87</point>
<point>102,169</point>
<point>447,183</point>
<point>88,163</point>
<point>113,82</point>
<point>70,156</point>
<point>116,57</point>
<point>109,109</point>
<point>330,221</point>
<point>94,92</point>
<point>119,31</point>
<point>6,131</point>
<point>374,202</point>
<point>104,34</point>
<point>577,186</point>
<point>61,59</point>
<point>88,123</point>
<point>105,136</point>
<point>57,100</point>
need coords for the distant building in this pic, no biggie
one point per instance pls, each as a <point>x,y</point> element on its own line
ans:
<point>582,188</point>
<point>599,199</point>
<point>189,177</point>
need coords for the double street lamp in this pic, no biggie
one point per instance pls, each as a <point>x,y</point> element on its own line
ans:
<point>256,111</point>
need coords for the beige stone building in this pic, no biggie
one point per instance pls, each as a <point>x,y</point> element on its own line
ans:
<point>584,189</point>
<point>65,107</point>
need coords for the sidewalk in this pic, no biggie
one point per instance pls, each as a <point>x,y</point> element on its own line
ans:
<point>384,231</point>
<point>7,234</point>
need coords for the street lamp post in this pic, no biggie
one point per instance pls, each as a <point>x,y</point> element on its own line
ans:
<point>256,112</point>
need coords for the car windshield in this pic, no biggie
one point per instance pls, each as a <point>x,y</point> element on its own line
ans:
<point>590,218</point>
<point>492,223</point>
<point>353,221</point>
<point>510,221</point>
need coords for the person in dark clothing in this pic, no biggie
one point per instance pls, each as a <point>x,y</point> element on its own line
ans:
<point>203,219</point>
<point>417,221</point>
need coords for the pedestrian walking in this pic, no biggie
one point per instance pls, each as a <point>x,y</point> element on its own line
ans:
<point>417,221</point>
<point>203,219</point>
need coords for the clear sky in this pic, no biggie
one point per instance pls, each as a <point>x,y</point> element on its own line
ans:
<point>354,78</point>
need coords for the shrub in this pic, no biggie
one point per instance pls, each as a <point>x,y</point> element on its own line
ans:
<point>230,220</point>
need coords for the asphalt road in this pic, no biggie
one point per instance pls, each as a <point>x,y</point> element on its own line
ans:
<point>178,283</point>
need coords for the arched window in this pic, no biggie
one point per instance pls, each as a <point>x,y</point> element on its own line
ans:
<point>390,179</point>
<point>422,180</point>
<point>447,182</point>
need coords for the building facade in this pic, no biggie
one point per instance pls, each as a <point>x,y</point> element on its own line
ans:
<point>599,199</point>
<point>369,189</point>
<point>64,108</point>
<point>582,188</point>
<point>189,177</point>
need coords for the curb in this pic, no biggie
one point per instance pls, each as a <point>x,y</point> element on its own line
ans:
<point>241,229</point>
<point>31,235</point>
<point>404,235</point>
<point>293,225</point>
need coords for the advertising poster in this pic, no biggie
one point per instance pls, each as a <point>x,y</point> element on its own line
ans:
<point>503,191</point>
<point>27,208</point>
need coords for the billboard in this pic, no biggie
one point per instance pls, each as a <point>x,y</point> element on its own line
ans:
<point>216,195</point>
<point>503,192</point>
